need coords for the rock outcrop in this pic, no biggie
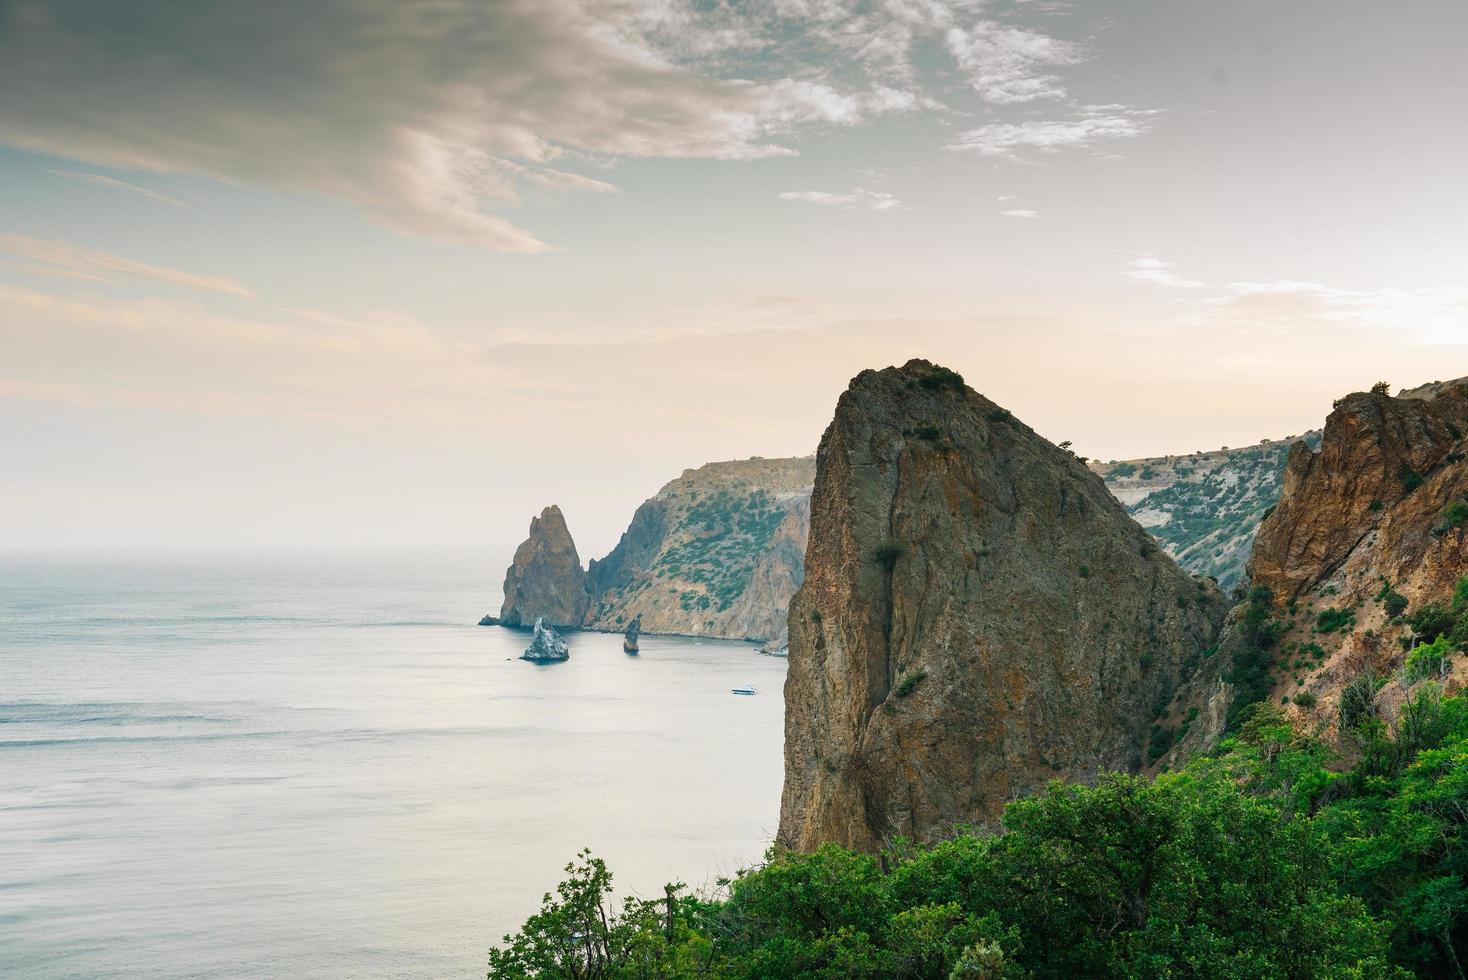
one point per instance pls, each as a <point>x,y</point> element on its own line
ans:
<point>978,616</point>
<point>630,639</point>
<point>1385,470</point>
<point>717,552</point>
<point>546,646</point>
<point>545,580</point>
<point>1373,524</point>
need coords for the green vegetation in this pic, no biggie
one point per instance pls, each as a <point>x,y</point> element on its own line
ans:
<point>1392,601</point>
<point>1428,660</point>
<point>941,377</point>
<point>1332,619</point>
<point>910,683</point>
<point>1123,469</point>
<point>729,532</point>
<point>1262,860</point>
<point>1455,515</point>
<point>1252,658</point>
<point>1410,478</point>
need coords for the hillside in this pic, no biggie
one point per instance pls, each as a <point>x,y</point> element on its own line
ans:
<point>716,552</point>
<point>1203,508</point>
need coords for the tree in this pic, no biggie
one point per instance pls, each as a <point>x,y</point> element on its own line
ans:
<point>1381,388</point>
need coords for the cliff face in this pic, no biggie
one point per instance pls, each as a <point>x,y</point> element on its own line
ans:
<point>1379,513</point>
<point>545,579</point>
<point>1383,467</point>
<point>979,616</point>
<point>717,552</point>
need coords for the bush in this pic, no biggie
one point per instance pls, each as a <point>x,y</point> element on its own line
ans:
<point>941,377</point>
<point>1393,602</point>
<point>1428,660</point>
<point>1410,478</point>
<point>1431,621</point>
<point>1305,699</point>
<point>1455,515</point>
<point>1332,619</point>
<point>910,683</point>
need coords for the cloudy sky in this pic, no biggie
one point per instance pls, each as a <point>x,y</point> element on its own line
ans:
<point>403,271</point>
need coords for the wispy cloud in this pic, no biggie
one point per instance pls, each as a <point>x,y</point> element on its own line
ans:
<point>102,180</point>
<point>473,103</point>
<point>1020,213</point>
<point>1150,269</point>
<point>1094,124</point>
<point>859,198</point>
<point>80,262</point>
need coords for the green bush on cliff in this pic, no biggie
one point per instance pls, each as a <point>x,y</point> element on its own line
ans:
<point>1262,860</point>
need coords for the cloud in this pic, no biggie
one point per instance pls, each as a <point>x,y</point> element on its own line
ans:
<point>859,198</point>
<point>75,261</point>
<point>1438,313</point>
<point>1147,268</point>
<point>1094,124</point>
<point>439,119</point>
<point>1020,213</point>
<point>113,183</point>
<point>424,115</point>
<point>1008,65</point>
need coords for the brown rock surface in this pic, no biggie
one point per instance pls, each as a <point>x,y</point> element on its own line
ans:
<point>1384,470</point>
<point>545,579</point>
<point>979,616</point>
<point>1365,515</point>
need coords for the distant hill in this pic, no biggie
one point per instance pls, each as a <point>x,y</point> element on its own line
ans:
<point>1204,508</point>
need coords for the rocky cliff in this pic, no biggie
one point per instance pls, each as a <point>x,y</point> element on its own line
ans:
<point>545,579</point>
<point>979,615</point>
<point>716,552</point>
<point>1373,525</point>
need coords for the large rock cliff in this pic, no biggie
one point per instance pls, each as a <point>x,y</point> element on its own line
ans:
<point>545,579</point>
<point>979,615</point>
<point>1374,524</point>
<point>717,552</point>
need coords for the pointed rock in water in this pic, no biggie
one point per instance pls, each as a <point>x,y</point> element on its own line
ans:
<point>979,616</point>
<point>546,580</point>
<point>490,621</point>
<point>547,645</point>
<point>629,639</point>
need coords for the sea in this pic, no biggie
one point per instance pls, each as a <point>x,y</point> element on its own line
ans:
<point>317,765</point>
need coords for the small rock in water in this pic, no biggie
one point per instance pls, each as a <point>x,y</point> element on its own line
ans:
<point>547,646</point>
<point>629,639</point>
<point>490,621</point>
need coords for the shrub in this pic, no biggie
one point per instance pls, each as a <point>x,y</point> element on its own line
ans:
<point>1085,571</point>
<point>1431,621</point>
<point>1428,660</point>
<point>1305,699</point>
<point>910,683</point>
<point>1332,619</point>
<point>1455,515</point>
<point>1381,388</point>
<point>929,432</point>
<point>941,377</point>
<point>1394,603</point>
<point>1410,478</point>
<point>1358,701</point>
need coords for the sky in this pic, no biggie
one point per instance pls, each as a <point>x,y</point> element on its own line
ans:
<point>402,272</point>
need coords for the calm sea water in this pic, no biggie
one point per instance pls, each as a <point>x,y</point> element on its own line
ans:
<point>277,766</point>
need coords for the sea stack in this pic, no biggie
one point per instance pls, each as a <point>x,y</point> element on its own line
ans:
<point>545,580</point>
<point>629,639</point>
<point>978,617</point>
<point>546,646</point>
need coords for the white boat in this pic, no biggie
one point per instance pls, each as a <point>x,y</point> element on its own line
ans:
<point>746,689</point>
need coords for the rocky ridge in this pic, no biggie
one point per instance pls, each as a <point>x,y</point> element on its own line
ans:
<point>979,615</point>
